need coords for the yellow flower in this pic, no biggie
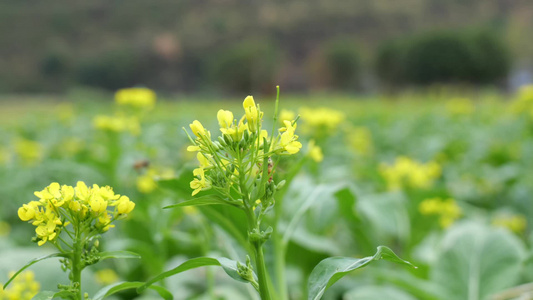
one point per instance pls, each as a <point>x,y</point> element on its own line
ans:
<point>104,222</point>
<point>106,276</point>
<point>60,203</point>
<point>23,287</point>
<point>286,115</point>
<point>136,97</point>
<point>447,210</point>
<point>146,184</point>
<point>321,119</point>
<point>29,152</point>
<point>253,114</point>
<point>125,206</point>
<point>198,129</point>
<point>28,211</point>
<point>288,138</point>
<point>315,152</point>
<point>117,123</point>
<point>98,204</point>
<point>225,118</point>
<point>199,183</point>
<point>515,223</point>
<point>406,172</point>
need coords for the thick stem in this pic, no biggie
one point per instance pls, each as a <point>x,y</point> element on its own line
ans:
<point>264,291</point>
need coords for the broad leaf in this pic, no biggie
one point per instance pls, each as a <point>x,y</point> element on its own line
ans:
<point>475,261</point>
<point>118,254</point>
<point>36,260</point>
<point>121,286</point>
<point>330,270</point>
<point>229,266</point>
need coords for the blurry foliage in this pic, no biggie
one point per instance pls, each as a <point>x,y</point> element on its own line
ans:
<point>476,57</point>
<point>91,31</point>
<point>112,69</point>
<point>342,63</point>
<point>246,66</point>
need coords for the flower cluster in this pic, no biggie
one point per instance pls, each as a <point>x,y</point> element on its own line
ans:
<point>118,123</point>
<point>321,119</point>
<point>314,151</point>
<point>447,210</point>
<point>515,223</point>
<point>28,151</point>
<point>86,208</point>
<point>146,182</point>
<point>133,104</point>
<point>142,98</point>
<point>406,172</point>
<point>243,149</point>
<point>24,287</point>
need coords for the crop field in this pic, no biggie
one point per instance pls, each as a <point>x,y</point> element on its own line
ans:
<point>138,196</point>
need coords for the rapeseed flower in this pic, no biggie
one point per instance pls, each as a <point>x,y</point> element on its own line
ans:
<point>514,222</point>
<point>59,205</point>
<point>406,172</point>
<point>240,147</point>
<point>136,97</point>
<point>23,287</point>
<point>322,120</point>
<point>118,123</point>
<point>315,152</point>
<point>286,115</point>
<point>447,210</point>
<point>106,276</point>
<point>28,151</point>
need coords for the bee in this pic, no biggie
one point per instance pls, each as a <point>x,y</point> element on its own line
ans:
<point>141,164</point>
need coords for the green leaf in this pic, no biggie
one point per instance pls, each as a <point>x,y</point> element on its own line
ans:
<point>204,200</point>
<point>475,261</point>
<point>49,295</point>
<point>330,270</point>
<point>118,254</point>
<point>36,260</point>
<point>121,286</point>
<point>231,220</point>
<point>229,266</point>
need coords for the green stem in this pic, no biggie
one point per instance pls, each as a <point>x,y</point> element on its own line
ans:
<point>264,291</point>
<point>279,256</point>
<point>77,266</point>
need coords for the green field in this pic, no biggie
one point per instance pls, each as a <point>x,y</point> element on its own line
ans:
<point>442,178</point>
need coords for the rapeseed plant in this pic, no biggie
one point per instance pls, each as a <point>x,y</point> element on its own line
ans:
<point>238,166</point>
<point>72,219</point>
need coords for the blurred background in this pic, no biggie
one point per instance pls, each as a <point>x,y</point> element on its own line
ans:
<point>236,47</point>
<point>415,116</point>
